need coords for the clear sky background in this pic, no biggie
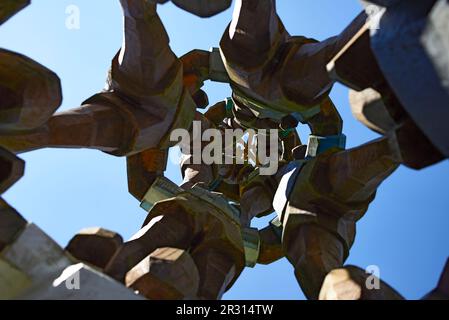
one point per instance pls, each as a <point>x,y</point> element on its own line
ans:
<point>405,231</point>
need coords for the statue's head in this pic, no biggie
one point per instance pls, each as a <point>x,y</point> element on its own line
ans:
<point>203,8</point>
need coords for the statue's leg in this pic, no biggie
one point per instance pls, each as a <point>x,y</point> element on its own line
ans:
<point>148,77</point>
<point>199,234</point>
<point>313,252</point>
<point>252,40</point>
<point>330,194</point>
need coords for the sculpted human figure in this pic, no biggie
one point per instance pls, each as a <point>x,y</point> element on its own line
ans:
<point>197,238</point>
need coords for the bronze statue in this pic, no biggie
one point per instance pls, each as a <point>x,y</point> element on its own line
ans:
<point>197,239</point>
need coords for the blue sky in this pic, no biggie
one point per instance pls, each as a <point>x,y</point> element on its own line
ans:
<point>405,232</point>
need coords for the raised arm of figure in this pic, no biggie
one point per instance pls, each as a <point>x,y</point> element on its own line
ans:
<point>145,98</point>
<point>269,69</point>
